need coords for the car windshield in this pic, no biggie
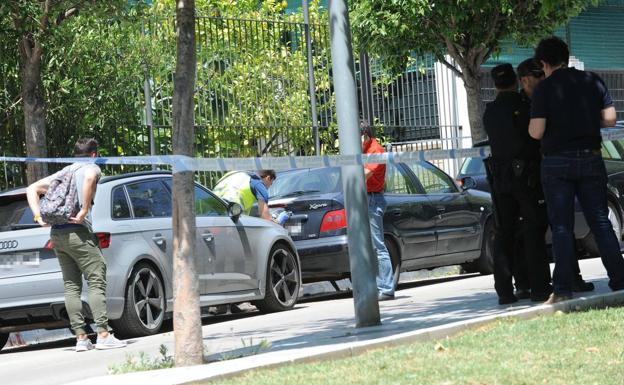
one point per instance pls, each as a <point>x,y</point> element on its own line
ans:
<point>14,213</point>
<point>472,166</point>
<point>299,182</point>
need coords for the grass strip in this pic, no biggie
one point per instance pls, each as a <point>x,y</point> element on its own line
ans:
<point>575,348</point>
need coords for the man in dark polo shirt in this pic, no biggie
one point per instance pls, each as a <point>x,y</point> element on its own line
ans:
<point>568,109</point>
<point>514,168</point>
<point>375,175</point>
<point>530,74</point>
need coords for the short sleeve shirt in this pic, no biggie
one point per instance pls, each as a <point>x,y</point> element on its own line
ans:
<point>375,183</point>
<point>258,189</point>
<point>506,121</point>
<point>80,169</point>
<point>571,101</point>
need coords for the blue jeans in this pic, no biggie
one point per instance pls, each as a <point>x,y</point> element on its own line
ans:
<point>581,174</point>
<point>376,209</point>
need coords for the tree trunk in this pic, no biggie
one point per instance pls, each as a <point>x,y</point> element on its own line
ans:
<point>186,318</point>
<point>474,94</point>
<point>34,108</point>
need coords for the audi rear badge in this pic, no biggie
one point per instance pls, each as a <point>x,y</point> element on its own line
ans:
<point>8,245</point>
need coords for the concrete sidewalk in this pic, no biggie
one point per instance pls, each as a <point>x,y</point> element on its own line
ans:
<point>323,330</point>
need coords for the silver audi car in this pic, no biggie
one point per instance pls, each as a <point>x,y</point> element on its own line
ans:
<point>239,258</point>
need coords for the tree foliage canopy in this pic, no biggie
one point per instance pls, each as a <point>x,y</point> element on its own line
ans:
<point>471,30</point>
<point>468,31</point>
<point>251,83</point>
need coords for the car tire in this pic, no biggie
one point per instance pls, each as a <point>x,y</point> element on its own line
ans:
<point>395,258</point>
<point>283,281</point>
<point>144,312</point>
<point>589,242</point>
<point>485,263</point>
<point>4,337</point>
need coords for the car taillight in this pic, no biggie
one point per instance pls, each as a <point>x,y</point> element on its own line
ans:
<point>334,220</point>
<point>105,239</point>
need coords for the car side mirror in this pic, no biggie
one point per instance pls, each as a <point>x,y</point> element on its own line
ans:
<point>468,183</point>
<point>235,210</point>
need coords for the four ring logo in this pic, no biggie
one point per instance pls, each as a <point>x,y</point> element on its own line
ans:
<point>8,245</point>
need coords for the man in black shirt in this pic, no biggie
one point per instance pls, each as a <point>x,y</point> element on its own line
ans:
<point>567,111</point>
<point>515,187</point>
<point>530,75</point>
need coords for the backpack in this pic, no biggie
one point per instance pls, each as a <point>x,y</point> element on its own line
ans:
<point>61,200</point>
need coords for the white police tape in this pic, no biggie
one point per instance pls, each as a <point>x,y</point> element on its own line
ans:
<point>180,163</point>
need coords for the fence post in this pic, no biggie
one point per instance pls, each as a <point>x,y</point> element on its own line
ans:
<point>366,88</point>
<point>148,111</point>
<point>362,260</point>
<point>149,119</point>
<point>312,85</point>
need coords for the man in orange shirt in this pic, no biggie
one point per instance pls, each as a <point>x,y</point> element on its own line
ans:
<point>375,175</point>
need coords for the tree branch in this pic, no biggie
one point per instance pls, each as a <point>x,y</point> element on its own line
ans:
<point>493,29</point>
<point>73,11</point>
<point>8,116</point>
<point>452,49</point>
<point>43,23</point>
<point>23,40</point>
<point>450,66</point>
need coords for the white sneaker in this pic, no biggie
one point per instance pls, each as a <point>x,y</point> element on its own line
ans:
<point>110,342</point>
<point>83,345</point>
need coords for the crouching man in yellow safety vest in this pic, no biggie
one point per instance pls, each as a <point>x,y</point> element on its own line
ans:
<point>245,188</point>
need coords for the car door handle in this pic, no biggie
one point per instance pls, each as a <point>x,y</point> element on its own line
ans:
<point>208,237</point>
<point>440,209</point>
<point>159,240</point>
<point>396,213</point>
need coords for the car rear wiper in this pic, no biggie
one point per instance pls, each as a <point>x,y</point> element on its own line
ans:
<point>296,193</point>
<point>19,226</point>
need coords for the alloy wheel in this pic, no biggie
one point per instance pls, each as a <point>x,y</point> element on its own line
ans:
<point>148,298</point>
<point>284,276</point>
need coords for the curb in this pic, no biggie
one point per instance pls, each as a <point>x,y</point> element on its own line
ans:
<point>230,368</point>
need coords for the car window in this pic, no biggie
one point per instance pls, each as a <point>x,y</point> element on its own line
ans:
<point>472,166</point>
<point>149,199</point>
<point>397,182</point>
<point>120,207</point>
<point>207,205</point>
<point>613,149</point>
<point>14,212</point>
<point>322,180</point>
<point>433,180</point>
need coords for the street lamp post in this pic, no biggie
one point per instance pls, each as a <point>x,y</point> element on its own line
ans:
<point>362,259</point>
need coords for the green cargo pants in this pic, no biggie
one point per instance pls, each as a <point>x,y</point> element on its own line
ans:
<point>79,255</point>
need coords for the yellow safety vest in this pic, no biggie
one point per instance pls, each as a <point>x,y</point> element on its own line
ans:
<point>235,187</point>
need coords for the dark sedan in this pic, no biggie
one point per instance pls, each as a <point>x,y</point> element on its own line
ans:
<point>613,154</point>
<point>429,221</point>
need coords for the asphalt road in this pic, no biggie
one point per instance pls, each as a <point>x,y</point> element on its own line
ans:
<point>324,320</point>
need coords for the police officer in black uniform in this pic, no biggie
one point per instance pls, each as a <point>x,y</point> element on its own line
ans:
<point>514,169</point>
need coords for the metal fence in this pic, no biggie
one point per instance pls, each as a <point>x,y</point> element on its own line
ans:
<point>450,138</point>
<point>255,87</point>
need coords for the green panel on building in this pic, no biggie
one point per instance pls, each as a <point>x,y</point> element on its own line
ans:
<point>595,38</point>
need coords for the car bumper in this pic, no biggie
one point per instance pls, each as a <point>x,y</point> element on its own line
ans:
<point>324,258</point>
